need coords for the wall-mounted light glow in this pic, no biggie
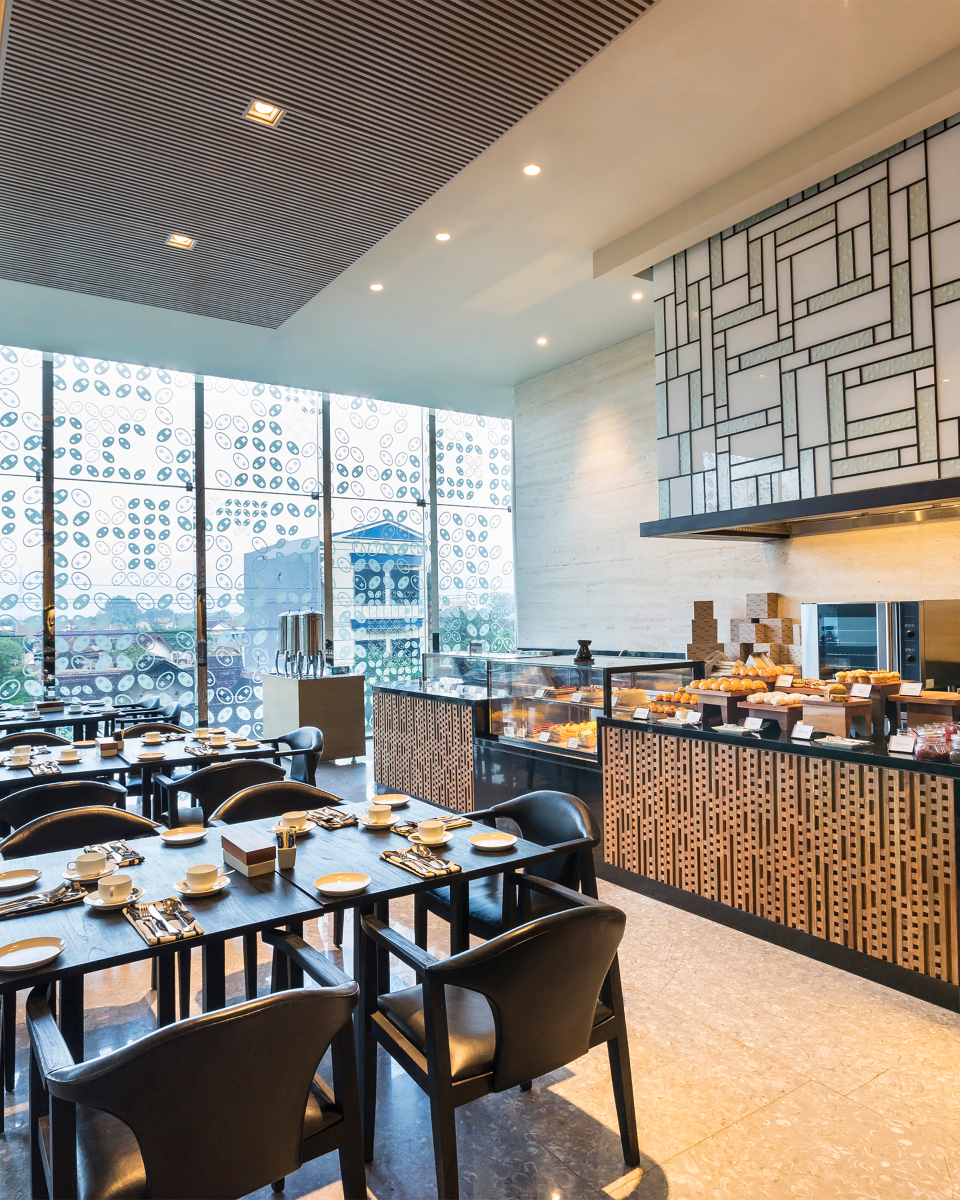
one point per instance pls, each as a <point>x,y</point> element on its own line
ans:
<point>443,237</point>
<point>376,287</point>
<point>181,240</point>
<point>637,296</point>
<point>541,341</point>
<point>263,112</point>
<point>531,169</point>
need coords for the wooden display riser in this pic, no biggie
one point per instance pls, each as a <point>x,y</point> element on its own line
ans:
<point>840,719</point>
<point>333,704</point>
<point>719,707</point>
<point>786,716</point>
<point>929,706</point>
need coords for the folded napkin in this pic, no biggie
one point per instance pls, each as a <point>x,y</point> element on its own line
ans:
<point>199,750</point>
<point>426,868</point>
<point>151,928</point>
<point>408,827</point>
<point>330,818</point>
<point>172,737</point>
<point>58,897</point>
<point>122,854</point>
<point>45,768</point>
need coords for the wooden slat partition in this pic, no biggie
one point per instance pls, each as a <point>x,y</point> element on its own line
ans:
<point>859,855</point>
<point>425,747</point>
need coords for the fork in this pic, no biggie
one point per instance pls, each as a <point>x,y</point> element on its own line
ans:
<point>40,898</point>
<point>143,913</point>
<point>431,859</point>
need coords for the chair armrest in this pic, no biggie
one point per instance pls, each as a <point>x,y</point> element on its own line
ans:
<point>167,781</point>
<point>325,972</point>
<point>571,898</point>
<point>574,846</point>
<point>488,816</point>
<point>216,823</point>
<point>398,945</point>
<point>46,1040</point>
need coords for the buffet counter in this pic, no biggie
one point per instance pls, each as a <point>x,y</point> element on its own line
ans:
<point>852,845</point>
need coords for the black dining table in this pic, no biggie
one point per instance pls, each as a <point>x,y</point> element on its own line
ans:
<point>87,721</point>
<point>90,765</point>
<point>96,941</point>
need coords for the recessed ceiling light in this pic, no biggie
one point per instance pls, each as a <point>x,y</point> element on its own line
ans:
<point>541,341</point>
<point>376,287</point>
<point>531,169</point>
<point>263,112</point>
<point>637,296</point>
<point>443,237</point>
<point>181,240</point>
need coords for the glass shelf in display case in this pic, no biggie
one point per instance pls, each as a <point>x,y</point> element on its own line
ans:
<point>661,690</point>
<point>460,673</point>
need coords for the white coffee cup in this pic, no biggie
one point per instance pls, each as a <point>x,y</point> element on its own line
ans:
<point>115,888</point>
<point>430,831</point>
<point>88,865</point>
<point>379,814</point>
<point>203,876</point>
<point>20,751</point>
<point>152,736</point>
<point>218,739</point>
<point>69,754</point>
<point>294,820</point>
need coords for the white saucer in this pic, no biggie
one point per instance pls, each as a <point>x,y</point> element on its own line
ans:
<point>184,835</point>
<point>342,883</point>
<point>245,744</point>
<point>148,755</point>
<point>394,799</point>
<point>30,952</point>
<point>494,841</point>
<point>221,882</point>
<point>445,840</point>
<point>14,881</point>
<point>308,827</point>
<point>368,824</point>
<point>107,870</point>
<point>94,900</point>
<point>68,762</point>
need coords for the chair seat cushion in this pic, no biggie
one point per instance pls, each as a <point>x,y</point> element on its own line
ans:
<point>486,901</point>
<point>473,1037</point>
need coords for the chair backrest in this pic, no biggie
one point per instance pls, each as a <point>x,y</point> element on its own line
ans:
<point>152,704</point>
<point>303,767</point>
<point>245,1072</point>
<point>20,807</point>
<point>270,800</point>
<point>172,713</point>
<point>212,785</point>
<point>548,818</point>
<point>149,727</point>
<point>543,982</point>
<point>38,737</point>
<point>74,828</point>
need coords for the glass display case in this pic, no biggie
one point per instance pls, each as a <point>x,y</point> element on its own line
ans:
<point>459,673</point>
<point>553,703</point>
<point>659,689</point>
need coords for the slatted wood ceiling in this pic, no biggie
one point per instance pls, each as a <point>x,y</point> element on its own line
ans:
<point>121,122</point>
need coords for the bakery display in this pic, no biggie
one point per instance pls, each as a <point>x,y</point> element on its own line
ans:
<point>862,676</point>
<point>778,700</point>
<point>737,685</point>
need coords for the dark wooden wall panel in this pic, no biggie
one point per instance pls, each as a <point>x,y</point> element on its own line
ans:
<point>424,747</point>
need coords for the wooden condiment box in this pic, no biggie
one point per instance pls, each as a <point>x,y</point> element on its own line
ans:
<point>108,747</point>
<point>250,852</point>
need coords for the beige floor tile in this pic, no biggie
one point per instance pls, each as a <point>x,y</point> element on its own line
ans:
<point>923,1094</point>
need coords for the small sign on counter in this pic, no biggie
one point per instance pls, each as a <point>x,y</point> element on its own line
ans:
<point>910,687</point>
<point>784,681</point>
<point>803,732</point>
<point>544,737</point>
<point>902,743</point>
<point>861,691</point>
<point>641,714</point>
<point>573,743</point>
<point>693,718</point>
<point>539,693</point>
<point>576,697</point>
<point>753,723</point>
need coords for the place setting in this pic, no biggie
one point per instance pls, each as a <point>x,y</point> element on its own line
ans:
<point>302,823</point>
<point>420,859</point>
<point>65,895</point>
<point>90,866</point>
<point>119,852</point>
<point>162,921</point>
<point>204,879</point>
<point>331,818</point>
<point>113,892</point>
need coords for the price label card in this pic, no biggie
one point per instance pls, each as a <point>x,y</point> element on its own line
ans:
<point>910,687</point>
<point>804,732</point>
<point>861,691</point>
<point>539,693</point>
<point>576,697</point>
<point>693,718</point>
<point>784,681</point>
<point>641,714</point>
<point>544,737</point>
<point>901,744</point>
<point>753,723</point>
<point>573,743</point>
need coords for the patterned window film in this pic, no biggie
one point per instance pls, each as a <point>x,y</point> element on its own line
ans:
<point>810,350</point>
<point>124,537</point>
<point>475,531</point>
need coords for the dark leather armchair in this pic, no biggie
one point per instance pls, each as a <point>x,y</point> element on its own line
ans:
<point>211,786</point>
<point>171,713</point>
<point>20,807</point>
<point>37,737</point>
<point>117,1126</point>
<point>548,818</point>
<point>303,767</point>
<point>143,727</point>
<point>75,827</point>
<point>498,1016</point>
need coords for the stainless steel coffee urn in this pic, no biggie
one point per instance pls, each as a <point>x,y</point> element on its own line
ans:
<point>311,643</point>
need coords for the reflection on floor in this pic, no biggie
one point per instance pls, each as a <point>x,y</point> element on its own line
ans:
<point>758,1075</point>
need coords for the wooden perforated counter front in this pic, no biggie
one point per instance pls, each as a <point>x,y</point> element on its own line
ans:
<point>858,853</point>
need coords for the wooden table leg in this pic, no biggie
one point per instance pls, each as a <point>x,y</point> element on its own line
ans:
<point>459,915</point>
<point>71,1014</point>
<point>8,1038</point>
<point>365,972</point>
<point>296,972</point>
<point>183,982</point>
<point>166,988</point>
<point>508,912</point>
<point>214,975</point>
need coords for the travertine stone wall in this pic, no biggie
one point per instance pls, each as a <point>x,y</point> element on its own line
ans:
<point>586,463</point>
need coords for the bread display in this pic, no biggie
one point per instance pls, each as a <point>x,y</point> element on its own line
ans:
<point>862,676</point>
<point>739,686</point>
<point>630,697</point>
<point>778,699</point>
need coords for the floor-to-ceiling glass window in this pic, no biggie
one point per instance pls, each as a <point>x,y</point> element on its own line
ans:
<point>124,532</point>
<point>21,532</point>
<point>264,517</point>
<point>380,528</point>
<point>475,531</point>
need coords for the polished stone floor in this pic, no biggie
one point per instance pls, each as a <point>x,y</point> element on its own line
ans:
<point>758,1075</point>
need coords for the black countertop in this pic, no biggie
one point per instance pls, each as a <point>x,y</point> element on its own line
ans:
<point>874,753</point>
<point>430,691</point>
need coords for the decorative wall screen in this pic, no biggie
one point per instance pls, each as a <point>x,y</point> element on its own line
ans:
<point>813,349</point>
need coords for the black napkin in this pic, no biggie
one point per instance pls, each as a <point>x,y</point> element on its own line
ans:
<point>425,868</point>
<point>330,818</point>
<point>121,853</point>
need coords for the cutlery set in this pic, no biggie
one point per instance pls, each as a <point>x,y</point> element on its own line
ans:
<point>163,920</point>
<point>58,897</point>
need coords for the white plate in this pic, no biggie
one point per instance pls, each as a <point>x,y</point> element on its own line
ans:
<point>342,883</point>
<point>245,744</point>
<point>30,952</point>
<point>93,900</point>
<point>107,870</point>
<point>222,882</point>
<point>13,881</point>
<point>304,829</point>
<point>184,835</point>
<point>493,841</point>
<point>368,824</point>
<point>395,800</point>
<point>149,755</point>
<point>445,840</point>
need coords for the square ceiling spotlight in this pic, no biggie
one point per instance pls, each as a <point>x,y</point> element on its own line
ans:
<point>263,113</point>
<point>181,241</point>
